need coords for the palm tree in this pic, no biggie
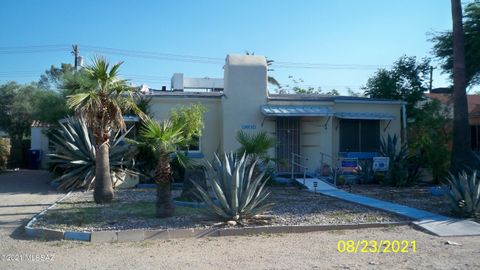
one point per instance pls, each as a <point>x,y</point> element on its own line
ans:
<point>256,147</point>
<point>102,107</point>
<point>462,155</point>
<point>164,138</point>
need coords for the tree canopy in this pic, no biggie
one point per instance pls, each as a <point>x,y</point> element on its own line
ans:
<point>443,45</point>
<point>190,121</point>
<point>407,80</point>
<point>53,78</point>
<point>20,104</point>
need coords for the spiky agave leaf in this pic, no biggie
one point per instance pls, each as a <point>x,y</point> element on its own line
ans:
<point>238,195</point>
<point>464,193</point>
<point>73,154</point>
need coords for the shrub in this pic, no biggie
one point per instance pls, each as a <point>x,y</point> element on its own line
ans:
<point>73,153</point>
<point>240,196</point>
<point>4,152</point>
<point>365,171</point>
<point>464,194</point>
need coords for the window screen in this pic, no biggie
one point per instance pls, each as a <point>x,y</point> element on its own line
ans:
<point>349,136</point>
<point>369,135</point>
<point>194,145</point>
<point>359,135</point>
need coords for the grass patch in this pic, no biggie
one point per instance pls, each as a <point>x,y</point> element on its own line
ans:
<point>342,215</point>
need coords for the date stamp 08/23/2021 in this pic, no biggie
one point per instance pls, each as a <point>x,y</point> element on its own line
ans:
<point>26,257</point>
<point>377,246</point>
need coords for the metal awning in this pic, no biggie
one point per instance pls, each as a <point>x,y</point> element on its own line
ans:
<point>292,110</point>
<point>365,115</point>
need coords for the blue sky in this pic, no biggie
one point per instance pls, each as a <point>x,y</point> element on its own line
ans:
<point>367,34</point>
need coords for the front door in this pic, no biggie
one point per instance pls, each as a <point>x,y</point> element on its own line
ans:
<point>288,142</point>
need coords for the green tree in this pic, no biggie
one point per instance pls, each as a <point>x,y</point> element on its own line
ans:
<point>50,106</point>
<point>21,104</point>
<point>102,107</point>
<point>443,45</point>
<point>429,136</point>
<point>190,120</point>
<point>53,78</point>
<point>407,80</point>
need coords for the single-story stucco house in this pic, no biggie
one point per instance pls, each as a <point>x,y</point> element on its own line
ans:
<point>313,129</point>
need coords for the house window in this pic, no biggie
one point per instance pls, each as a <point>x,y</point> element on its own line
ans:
<point>359,135</point>
<point>194,146</point>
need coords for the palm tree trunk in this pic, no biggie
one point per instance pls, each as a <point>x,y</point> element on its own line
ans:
<point>103,189</point>
<point>462,155</point>
<point>164,206</point>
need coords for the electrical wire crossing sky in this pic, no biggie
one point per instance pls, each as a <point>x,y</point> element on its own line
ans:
<point>326,44</point>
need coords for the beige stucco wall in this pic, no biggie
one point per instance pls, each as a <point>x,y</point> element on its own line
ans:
<point>245,82</point>
<point>162,106</point>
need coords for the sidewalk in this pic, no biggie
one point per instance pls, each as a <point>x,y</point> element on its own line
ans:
<point>433,223</point>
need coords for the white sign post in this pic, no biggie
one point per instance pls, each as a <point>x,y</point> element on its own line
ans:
<point>380,164</point>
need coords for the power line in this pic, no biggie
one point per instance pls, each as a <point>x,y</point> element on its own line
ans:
<point>32,49</point>
<point>183,58</point>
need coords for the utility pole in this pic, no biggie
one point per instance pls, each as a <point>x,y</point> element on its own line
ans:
<point>75,54</point>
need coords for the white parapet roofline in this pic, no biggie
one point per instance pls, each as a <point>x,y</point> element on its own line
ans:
<point>180,82</point>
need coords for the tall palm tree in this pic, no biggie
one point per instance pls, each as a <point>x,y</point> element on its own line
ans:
<point>461,153</point>
<point>164,138</point>
<point>102,107</point>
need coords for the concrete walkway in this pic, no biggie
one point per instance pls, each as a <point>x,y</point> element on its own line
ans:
<point>23,194</point>
<point>434,223</point>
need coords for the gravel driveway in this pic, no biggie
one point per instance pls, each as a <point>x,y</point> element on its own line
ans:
<point>24,193</point>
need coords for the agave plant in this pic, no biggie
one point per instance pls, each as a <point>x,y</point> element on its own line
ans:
<point>398,172</point>
<point>464,194</point>
<point>73,154</point>
<point>237,195</point>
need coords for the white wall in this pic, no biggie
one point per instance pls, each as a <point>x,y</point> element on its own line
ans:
<point>39,141</point>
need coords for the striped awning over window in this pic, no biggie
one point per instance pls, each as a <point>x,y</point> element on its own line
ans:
<point>291,110</point>
<point>365,115</point>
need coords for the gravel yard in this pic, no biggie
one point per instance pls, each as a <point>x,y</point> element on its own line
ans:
<point>25,193</point>
<point>134,209</point>
<point>416,196</point>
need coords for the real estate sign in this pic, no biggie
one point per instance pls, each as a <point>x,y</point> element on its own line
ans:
<point>349,165</point>
<point>380,164</point>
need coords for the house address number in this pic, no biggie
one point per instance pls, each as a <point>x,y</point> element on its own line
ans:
<point>249,126</point>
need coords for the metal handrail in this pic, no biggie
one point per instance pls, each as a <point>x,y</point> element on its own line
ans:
<point>305,169</point>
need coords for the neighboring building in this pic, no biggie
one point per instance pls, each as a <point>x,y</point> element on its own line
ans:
<point>319,128</point>
<point>38,145</point>
<point>473,114</point>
